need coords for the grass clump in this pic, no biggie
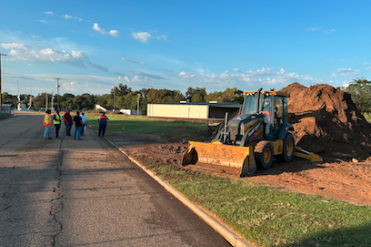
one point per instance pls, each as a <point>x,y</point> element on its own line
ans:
<point>268,216</point>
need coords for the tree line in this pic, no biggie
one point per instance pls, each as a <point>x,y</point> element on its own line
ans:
<point>123,97</point>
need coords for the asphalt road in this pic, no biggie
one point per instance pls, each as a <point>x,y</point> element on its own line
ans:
<point>65,192</point>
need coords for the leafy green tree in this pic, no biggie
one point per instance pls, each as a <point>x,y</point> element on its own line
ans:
<point>196,94</point>
<point>360,89</point>
<point>163,95</point>
<point>229,95</point>
<point>66,101</point>
<point>120,90</point>
<point>103,100</point>
<point>39,100</point>
<point>9,99</point>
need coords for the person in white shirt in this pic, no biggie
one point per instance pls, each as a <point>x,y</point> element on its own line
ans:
<point>84,120</point>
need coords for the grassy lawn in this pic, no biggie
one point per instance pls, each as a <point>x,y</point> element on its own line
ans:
<point>120,123</point>
<point>264,215</point>
<point>268,216</point>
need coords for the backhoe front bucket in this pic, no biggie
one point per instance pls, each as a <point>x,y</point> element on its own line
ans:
<point>221,155</point>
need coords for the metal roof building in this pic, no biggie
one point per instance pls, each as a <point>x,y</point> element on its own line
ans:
<point>192,110</point>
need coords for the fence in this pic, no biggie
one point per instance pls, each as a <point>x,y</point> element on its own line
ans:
<point>6,108</point>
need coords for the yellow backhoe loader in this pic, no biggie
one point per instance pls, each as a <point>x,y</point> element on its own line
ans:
<point>253,138</point>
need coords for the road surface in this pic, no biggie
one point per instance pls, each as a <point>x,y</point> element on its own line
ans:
<point>65,192</point>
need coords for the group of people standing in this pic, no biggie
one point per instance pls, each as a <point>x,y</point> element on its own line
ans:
<point>80,121</point>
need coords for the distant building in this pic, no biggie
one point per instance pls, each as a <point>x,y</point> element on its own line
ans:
<point>130,112</point>
<point>183,109</point>
<point>106,108</point>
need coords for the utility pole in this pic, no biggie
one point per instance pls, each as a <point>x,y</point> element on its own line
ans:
<point>30,103</point>
<point>1,93</point>
<point>58,92</point>
<point>46,104</point>
<point>114,98</point>
<point>138,103</point>
<point>52,100</point>
<point>18,97</point>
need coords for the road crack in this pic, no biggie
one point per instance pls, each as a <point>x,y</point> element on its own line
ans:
<point>57,201</point>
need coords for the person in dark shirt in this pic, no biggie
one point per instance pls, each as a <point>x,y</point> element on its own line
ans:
<point>78,126</point>
<point>68,122</point>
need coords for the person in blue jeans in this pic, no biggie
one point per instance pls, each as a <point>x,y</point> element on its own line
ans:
<point>68,122</point>
<point>102,123</point>
<point>47,124</point>
<point>78,126</point>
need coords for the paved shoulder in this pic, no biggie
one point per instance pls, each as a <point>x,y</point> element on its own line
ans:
<point>65,192</point>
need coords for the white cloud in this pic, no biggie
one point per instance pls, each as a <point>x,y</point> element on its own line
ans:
<point>72,86</point>
<point>262,72</point>
<point>368,68</point>
<point>248,80</point>
<point>313,29</point>
<point>187,74</point>
<point>19,52</point>
<point>113,33</point>
<point>366,63</point>
<point>124,78</point>
<point>49,13</point>
<point>142,36</point>
<point>344,72</point>
<point>67,16</point>
<point>42,21</point>
<point>14,46</point>
<point>132,61</point>
<point>162,37</point>
<point>97,28</point>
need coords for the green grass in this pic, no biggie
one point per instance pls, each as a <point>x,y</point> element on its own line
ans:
<point>268,216</point>
<point>264,215</point>
<point>120,123</point>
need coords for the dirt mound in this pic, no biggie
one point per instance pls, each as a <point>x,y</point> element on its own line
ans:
<point>327,121</point>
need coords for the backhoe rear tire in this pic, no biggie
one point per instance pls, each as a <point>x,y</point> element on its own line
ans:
<point>288,148</point>
<point>263,153</point>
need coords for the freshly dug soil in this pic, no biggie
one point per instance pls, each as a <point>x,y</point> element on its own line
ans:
<point>326,122</point>
<point>342,180</point>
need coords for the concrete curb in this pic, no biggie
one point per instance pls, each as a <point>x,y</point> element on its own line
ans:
<point>233,238</point>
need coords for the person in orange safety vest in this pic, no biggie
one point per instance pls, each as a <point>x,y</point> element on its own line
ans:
<point>47,124</point>
<point>102,123</point>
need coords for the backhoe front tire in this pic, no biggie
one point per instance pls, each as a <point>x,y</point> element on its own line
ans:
<point>263,153</point>
<point>288,148</point>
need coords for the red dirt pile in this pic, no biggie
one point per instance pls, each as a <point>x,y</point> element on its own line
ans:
<point>327,121</point>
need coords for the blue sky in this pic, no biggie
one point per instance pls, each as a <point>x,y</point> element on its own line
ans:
<point>94,45</point>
